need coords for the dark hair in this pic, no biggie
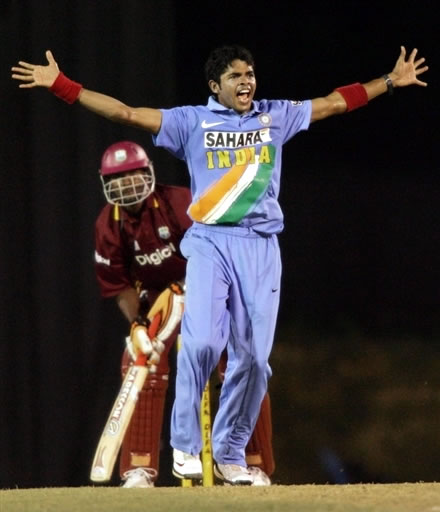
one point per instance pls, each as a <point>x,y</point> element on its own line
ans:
<point>220,58</point>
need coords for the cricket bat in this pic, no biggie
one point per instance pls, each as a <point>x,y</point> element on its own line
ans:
<point>120,415</point>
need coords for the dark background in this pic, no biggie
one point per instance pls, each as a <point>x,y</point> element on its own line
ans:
<point>360,195</point>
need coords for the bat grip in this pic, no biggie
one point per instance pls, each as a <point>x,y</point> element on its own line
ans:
<point>141,359</point>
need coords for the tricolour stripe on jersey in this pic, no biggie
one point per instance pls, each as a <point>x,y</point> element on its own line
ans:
<point>232,196</point>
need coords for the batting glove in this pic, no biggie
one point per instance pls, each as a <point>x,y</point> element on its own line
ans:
<point>170,306</point>
<point>138,342</point>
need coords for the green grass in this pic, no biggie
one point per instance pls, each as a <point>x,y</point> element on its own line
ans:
<point>410,497</point>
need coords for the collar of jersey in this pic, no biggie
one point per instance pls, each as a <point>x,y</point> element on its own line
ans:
<point>215,106</point>
<point>132,219</point>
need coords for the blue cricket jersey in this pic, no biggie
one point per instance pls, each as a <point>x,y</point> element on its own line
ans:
<point>234,160</point>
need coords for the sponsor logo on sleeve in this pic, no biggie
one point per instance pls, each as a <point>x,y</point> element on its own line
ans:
<point>101,259</point>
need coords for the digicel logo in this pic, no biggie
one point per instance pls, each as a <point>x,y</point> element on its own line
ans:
<point>156,257</point>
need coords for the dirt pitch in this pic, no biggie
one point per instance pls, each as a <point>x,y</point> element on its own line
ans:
<point>414,497</point>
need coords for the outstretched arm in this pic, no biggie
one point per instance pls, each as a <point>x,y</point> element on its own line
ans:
<point>33,75</point>
<point>404,73</point>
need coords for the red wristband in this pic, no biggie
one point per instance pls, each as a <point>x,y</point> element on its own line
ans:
<point>66,89</point>
<point>355,95</point>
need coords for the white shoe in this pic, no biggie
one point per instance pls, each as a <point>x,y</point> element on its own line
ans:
<point>233,474</point>
<point>186,465</point>
<point>259,476</point>
<point>139,478</point>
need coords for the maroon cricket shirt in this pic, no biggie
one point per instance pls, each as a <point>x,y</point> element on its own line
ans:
<point>142,249</point>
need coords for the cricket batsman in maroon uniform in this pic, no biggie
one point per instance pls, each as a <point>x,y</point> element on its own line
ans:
<point>138,262</point>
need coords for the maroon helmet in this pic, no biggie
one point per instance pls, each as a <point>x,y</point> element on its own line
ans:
<point>123,156</point>
<point>120,158</point>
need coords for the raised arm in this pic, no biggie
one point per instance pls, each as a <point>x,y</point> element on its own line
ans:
<point>344,99</point>
<point>49,76</point>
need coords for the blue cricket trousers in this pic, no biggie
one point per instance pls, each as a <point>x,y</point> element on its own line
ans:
<point>232,298</point>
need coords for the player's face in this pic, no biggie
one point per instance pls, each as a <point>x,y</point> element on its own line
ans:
<point>129,189</point>
<point>237,86</point>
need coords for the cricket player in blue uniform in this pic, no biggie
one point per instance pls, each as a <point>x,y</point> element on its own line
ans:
<point>233,150</point>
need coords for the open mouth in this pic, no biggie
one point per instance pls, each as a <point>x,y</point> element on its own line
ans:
<point>244,95</point>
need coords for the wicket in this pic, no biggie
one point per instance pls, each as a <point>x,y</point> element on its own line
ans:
<point>205,427</point>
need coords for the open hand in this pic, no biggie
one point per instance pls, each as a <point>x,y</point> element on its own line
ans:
<point>405,72</point>
<point>33,75</point>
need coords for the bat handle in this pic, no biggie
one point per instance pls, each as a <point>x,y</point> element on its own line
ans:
<point>141,360</point>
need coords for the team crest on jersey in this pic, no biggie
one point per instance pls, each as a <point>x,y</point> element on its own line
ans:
<point>265,119</point>
<point>164,232</point>
<point>296,103</point>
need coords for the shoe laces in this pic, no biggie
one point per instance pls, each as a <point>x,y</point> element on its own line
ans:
<point>148,473</point>
<point>186,456</point>
<point>257,472</point>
